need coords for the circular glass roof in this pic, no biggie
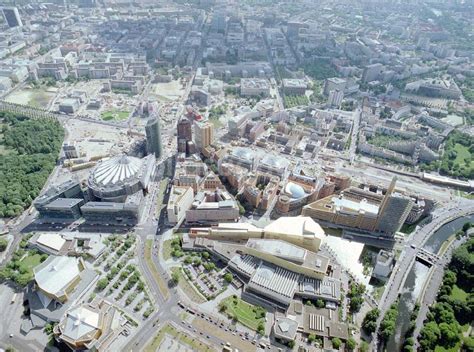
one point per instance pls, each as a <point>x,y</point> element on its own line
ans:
<point>116,170</point>
<point>295,190</point>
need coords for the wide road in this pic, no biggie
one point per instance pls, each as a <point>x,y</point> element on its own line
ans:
<point>435,280</point>
<point>408,255</point>
<point>354,134</point>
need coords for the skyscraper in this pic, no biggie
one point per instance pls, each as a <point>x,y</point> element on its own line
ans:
<point>203,134</point>
<point>12,17</point>
<point>153,136</point>
<point>393,210</point>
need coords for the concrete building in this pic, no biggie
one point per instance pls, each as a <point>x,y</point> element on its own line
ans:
<point>180,200</point>
<point>89,327</point>
<point>70,150</point>
<point>372,72</point>
<point>284,329</point>
<point>58,283</point>
<point>203,134</point>
<point>394,210</point>
<point>301,231</point>
<point>69,105</point>
<point>68,243</point>
<point>254,87</point>
<point>68,189</point>
<point>334,83</point>
<point>237,124</point>
<point>364,210</point>
<point>294,86</point>
<point>184,135</point>
<point>213,207</point>
<point>383,265</point>
<point>335,98</point>
<point>63,209</point>
<point>153,137</point>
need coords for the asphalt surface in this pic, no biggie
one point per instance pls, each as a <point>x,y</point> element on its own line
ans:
<point>408,255</point>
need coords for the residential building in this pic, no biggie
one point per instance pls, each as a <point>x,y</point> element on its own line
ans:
<point>335,98</point>
<point>203,134</point>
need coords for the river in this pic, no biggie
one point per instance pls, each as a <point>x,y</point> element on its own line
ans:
<point>416,279</point>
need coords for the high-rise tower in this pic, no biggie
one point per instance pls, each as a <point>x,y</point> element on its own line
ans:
<point>153,136</point>
<point>185,134</point>
<point>12,17</point>
<point>393,210</point>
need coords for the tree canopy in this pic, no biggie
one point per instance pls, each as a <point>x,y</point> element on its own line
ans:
<point>32,149</point>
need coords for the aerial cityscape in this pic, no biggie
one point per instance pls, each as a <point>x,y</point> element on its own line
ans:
<point>237,175</point>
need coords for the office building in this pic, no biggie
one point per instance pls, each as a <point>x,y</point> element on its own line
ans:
<point>254,87</point>
<point>185,135</point>
<point>12,17</point>
<point>334,83</point>
<point>153,137</point>
<point>393,211</point>
<point>203,134</point>
<point>292,86</point>
<point>68,189</point>
<point>383,265</point>
<point>180,200</point>
<point>213,206</point>
<point>364,210</point>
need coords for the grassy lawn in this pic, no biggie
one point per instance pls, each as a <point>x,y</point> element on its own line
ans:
<point>188,287</point>
<point>243,312</point>
<point>459,293</point>
<point>161,283</point>
<point>116,115</point>
<point>181,337</point>
<point>167,249</point>
<point>462,153</point>
<point>29,262</point>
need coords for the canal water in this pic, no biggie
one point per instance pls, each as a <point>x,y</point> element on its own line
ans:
<point>416,279</point>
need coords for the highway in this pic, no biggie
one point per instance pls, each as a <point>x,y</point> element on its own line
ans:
<point>408,255</point>
<point>432,286</point>
<point>354,134</point>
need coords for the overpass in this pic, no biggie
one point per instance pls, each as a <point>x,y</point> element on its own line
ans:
<point>427,257</point>
<point>414,244</point>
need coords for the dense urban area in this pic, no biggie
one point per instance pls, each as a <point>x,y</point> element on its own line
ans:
<point>237,175</point>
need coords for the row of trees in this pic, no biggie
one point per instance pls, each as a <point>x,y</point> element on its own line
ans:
<point>443,322</point>
<point>32,149</point>
<point>387,325</point>
<point>355,295</point>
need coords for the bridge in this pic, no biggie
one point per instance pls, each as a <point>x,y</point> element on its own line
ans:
<point>427,257</point>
